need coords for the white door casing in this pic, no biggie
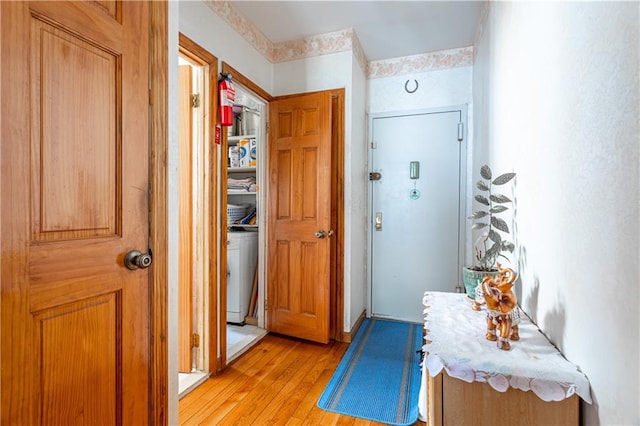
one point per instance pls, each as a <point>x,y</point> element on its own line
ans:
<point>419,245</point>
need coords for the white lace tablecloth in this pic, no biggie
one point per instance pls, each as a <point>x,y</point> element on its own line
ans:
<point>458,344</point>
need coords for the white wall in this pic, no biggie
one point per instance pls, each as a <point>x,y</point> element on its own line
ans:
<point>556,99</point>
<point>356,195</point>
<point>202,25</point>
<point>438,88</point>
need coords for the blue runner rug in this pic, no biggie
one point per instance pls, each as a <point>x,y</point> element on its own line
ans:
<point>378,377</point>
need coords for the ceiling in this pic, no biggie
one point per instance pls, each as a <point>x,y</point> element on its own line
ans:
<point>386,29</point>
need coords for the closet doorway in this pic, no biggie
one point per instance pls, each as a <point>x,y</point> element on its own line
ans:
<point>245,223</point>
<point>245,86</point>
<point>196,210</point>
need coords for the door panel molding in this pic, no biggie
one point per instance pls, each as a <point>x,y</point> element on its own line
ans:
<point>75,341</point>
<point>61,155</point>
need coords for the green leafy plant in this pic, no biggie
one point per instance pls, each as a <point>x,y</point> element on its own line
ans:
<point>493,244</point>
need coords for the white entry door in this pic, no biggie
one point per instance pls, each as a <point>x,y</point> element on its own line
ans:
<point>417,209</point>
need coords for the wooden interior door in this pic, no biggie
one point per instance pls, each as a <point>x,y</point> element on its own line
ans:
<point>74,179</point>
<point>185,221</point>
<point>299,216</point>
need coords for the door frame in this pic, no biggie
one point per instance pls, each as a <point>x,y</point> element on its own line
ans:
<point>209,62</point>
<point>158,208</point>
<point>241,79</point>
<point>463,229</point>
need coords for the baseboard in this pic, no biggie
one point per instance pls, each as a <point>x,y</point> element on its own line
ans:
<point>348,336</point>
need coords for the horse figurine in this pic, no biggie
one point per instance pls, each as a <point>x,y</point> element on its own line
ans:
<point>502,307</point>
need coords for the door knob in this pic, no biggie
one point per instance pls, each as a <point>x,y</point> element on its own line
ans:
<point>134,260</point>
<point>320,234</point>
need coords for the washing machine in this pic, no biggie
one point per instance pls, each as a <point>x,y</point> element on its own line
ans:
<point>242,260</point>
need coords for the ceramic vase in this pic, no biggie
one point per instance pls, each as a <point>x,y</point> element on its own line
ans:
<point>471,278</point>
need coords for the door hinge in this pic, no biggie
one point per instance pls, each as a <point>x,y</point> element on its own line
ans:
<point>374,145</point>
<point>195,100</point>
<point>460,132</point>
<point>195,340</point>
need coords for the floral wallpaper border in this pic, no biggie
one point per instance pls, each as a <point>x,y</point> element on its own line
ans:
<point>242,26</point>
<point>338,41</point>
<point>432,61</point>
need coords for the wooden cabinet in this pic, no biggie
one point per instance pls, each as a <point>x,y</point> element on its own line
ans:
<point>472,382</point>
<point>452,401</point>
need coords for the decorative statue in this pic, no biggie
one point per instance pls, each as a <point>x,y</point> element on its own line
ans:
<point>502,307</point>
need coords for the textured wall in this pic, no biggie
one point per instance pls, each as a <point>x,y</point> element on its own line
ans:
<point>201,24</point>
<point>358,196</point>
<point>556,99</point>
<point>435,89</point>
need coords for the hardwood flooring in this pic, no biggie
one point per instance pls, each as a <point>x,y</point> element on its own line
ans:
<point>277,382</point>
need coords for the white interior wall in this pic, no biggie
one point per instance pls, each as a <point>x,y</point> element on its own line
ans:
<point>202,25</point>
<point>358,198</point>
<point>438,88</point>
<point>556,99</point>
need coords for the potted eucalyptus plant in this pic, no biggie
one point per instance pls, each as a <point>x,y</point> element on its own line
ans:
<point>492,243</point>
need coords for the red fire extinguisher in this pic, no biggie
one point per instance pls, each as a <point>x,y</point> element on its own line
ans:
<point>227,97</point>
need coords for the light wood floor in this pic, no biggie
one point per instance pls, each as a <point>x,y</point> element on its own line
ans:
<point>278,382</point>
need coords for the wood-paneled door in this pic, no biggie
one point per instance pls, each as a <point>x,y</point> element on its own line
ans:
<point>75,199</point>
<point>299,216</point>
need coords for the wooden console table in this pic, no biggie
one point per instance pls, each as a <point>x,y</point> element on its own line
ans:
<point>472,382</point>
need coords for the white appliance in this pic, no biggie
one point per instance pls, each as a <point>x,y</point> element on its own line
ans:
<point>242,258</point>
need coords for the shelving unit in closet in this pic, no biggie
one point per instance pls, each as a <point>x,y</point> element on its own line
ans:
<point>243,214</point>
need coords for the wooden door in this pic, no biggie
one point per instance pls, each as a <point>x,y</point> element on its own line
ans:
<point>299,207</point>
<point>185,220</point>
<point>74,179</point>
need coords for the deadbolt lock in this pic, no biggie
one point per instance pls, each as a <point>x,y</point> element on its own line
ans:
<point>378,224</point>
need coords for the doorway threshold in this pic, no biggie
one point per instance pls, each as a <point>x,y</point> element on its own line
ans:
<point>241,338</point>
<point>189,381</point>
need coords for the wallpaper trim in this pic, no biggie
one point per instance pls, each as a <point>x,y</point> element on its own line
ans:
<point>432,61</point>
<point>338,41</point>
